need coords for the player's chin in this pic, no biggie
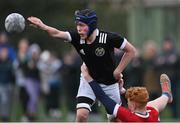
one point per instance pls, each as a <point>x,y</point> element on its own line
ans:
<point>83,37</point>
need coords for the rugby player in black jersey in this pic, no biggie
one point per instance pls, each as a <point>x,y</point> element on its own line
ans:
<point>96,48</point>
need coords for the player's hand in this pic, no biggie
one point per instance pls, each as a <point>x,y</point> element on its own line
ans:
<point>36,22</point>
<point>121,88</point>
<point>117,75</point>
<point>85,73</point>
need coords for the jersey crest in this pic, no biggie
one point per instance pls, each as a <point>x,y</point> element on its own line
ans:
<point>100,51</point>
<point>99,54</point>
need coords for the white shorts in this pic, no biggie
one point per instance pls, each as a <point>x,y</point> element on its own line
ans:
<point>86,92</point>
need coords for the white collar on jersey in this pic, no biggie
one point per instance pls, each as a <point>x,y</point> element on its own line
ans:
<point>143,115</point>
<point>97,32</point>
<point>83,41</point>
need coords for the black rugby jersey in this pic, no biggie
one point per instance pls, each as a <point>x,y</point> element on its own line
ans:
<point>99,55</point>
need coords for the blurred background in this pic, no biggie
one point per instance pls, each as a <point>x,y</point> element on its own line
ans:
<point>39,75</point>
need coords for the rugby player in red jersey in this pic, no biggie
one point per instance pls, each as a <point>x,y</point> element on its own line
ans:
<point>140,109</point>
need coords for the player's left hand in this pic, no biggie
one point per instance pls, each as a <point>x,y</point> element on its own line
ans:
<point>117,75</point>
<point>121,88</point>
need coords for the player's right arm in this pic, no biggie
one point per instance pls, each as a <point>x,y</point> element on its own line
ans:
<point>37,23</point>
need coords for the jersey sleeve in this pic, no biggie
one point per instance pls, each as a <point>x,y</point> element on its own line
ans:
<point>116,41</point>
<point>73,36</point>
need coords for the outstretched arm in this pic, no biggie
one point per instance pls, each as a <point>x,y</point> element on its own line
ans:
<point>37,23</point>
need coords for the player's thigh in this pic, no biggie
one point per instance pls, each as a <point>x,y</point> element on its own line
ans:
<point>112,91</point>
<point>85,95</point>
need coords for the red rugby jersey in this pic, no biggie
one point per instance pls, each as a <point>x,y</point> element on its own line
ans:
<point>126,115</point>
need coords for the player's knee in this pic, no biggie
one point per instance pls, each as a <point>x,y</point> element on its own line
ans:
<point>82,115</point>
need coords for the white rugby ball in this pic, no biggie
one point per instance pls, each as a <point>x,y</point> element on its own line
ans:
<point>14,22</point>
